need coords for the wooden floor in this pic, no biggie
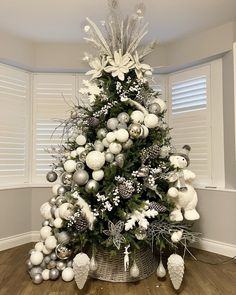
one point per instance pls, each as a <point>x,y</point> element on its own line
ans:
<point>200,279</point>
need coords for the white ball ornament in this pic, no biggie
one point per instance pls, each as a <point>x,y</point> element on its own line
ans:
<point>161,103</point>
<point>105,142</point>
<point>70,166</point>
<point>151,121</point>
<point>73,154</point>
<point>45,274</point>
<point>45,210</point>
<point>79,150</point>
<point>112,123</point>
<point>67,274</point>
<point>46,251</point>
<point>65,210</point>
<point>123,117</point>
<point>137,117</point>
<point>51,243</point>
<point>115,148</point>
<point>45,232</point>
<point>98,175</point>
<point>95,160</point>
<point>110,137</point>
<point>122,135</point>
<point>36,257</point>
<point>56,213</point>
<point>55,188</point>
<point>39,246</point>
<point>81,139</point>
<point>58,222</point>
<point>145,131</point>
<point>98,146</point>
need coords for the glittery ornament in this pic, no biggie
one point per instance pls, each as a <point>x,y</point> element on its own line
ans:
<point>126,190</point>
<point>81,264</point>
<point>93,122</point>
<point>175,266</point>
<point>63,251</point>
<point>66,178</point>
<point>158,207</point>
<point>51,176</point>
<point>135,130</point>
<point>161,271</point>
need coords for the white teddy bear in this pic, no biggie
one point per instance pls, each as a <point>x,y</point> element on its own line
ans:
<point>182,192</point>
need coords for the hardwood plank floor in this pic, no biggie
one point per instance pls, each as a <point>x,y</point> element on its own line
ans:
<point>200,279</point>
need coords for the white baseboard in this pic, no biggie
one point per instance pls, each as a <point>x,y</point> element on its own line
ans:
<point>225,249</point>
<point>17,240</point>
<point>228,250</point>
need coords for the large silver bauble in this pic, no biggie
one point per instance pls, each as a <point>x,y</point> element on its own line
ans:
<point>61,190</point>
<point>112,123</point>
<point>123,117</point>
<point>66,178</point>
<point>61,265</point>
<point>63,237</point>
<point>135,130</point>
<point>52,200</point>
<point>35,270</point>
<point>120,160</point>
<point>51,176</point>
<point>109,157</point>
<point>128,144</point>
<point>154,108</point>
<point>101,133</point>
<point>92,186</point>
<point>54,274</point>
<point>37,278</point>
<point>63,251</point>
<point>81,177</point>
<point>29,264</point>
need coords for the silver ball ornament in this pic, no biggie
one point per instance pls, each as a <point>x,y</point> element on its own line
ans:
<point>61,190</point>
<point>35,270</point>
<point>60,200</point>
<point>61,265</point>
<point>109,157</point>
<point>135,130</point>
<point>52,200</point>
<point>70,263</point>
<point>66,178</point>
<point>53,256</point>
<point>80,165</point>
<point>51,176</point>
<point>92,186</point>
<point>37,278</point>
<point>101,133</point>
<point>120,160</point>
<point>81,177</point>
<point>112,123</point>
<point>47,259</point>
<point>122,126</point>
<point>29,264</point>
<point>52,264</point>
<point>54,274</point>
<point>154,108</point>
<point>53,210</point>
<point>63,251</point>
<point>123,117</point>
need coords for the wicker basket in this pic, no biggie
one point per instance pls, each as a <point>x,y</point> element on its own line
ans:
<point>111,268</point>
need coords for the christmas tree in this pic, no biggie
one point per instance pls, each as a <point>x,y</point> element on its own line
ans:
<point>122,189</point>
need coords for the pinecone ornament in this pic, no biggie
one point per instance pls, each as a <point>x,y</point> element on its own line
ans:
<point>81,223</point>
<point>175,265</point>
<point>158,207</point>
<point>93,122</point>
<point>81,264</point>
<point>126,189</point>
<point>150,153</point>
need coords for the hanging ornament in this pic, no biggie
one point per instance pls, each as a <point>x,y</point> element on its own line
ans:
<point>66,178</point>
<point>140,233</point>
<point>81,264</point>
<point>45,274</point>
<point>63,237</point>
<point>109,157</point>
<point>81,177</point>
<point>98,146</point>
<point>81,139</point>
<point>37,278</point>
<point>51,176</point>
<point>80,165</point>
<point>36,257</point>
<point>35,270</point>
<point>63,251</point>
<point>175,266</point>
<point>122,126</point>
<point>134,270</point>
<point>45,210</point>
<point>143,171</point>
<point>61,190</point>
<point>135,130</point>
<point>110,137</point>
<point>51,243</point>
<point>115,148</point>
<point>128,144</point>
<point>70,166</point>
<point>60,265</point>
<point>177,236</point>
<point>145,131</point>
<point>161,271</point>
<point>93,264</point>
<point>45,232</point>
<point>93,122</point>
<point>92,186</point>
<point>126,258</point>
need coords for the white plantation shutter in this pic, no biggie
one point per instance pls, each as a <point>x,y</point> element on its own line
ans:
<point>14,125</point>
<point>53,95</point>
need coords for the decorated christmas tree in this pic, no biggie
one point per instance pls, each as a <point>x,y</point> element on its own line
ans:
<point>122,193</point>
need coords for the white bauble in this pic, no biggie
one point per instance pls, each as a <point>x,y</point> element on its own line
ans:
<point>161,103</point>
<point>70,166</point>
<point>55,188</point>
<point>67,274</point>
<point>81,139</point>
<point>123,117</point>
<point>145,131</point>
<point>73,154</point>
<point>110,137</point>
<point>122,135</point>
<point>45,210</point>
<point>39,246</point>
<point>161,271</point>
<point>98,175</point>
<point>45,232</point>
<point>105,142</point>
<point>93,264</point>
<point>115,148</point>
<point>175,265</point>
<point>95,160</point>
<point>151,121</point>
<point>134,270</point>
<point>51,243</point>
<point>36,257</point>
<point>137,117</point>
<point>58,222</point>
<point>57,213</point>
<point>65,211</point>
<point>45,274</point>
<point>109,157</point>
<point>46,251</point>
<point>176,236</point>
<point>79,150</point>
<point>98,146</point>
<point>112,123</point>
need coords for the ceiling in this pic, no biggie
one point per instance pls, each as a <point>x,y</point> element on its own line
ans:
<point>60,20</point>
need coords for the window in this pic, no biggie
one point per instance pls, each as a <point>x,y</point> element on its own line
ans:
<point>196,116</point>
<point>14,125</point>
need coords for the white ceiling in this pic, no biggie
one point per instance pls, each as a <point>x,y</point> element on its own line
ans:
<point>60,20</point>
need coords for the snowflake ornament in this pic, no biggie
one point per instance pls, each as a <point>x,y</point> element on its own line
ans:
<point>114,233</point>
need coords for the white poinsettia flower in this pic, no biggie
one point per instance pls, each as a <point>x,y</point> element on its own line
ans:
<point>97,66</point>
<point>120,65</point>
<point>141,69</point>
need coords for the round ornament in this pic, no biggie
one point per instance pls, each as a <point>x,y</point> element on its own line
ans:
<point>63,237</point>
<point>120,160</point>
<point>66,178</point>
<point>112,123</point>
<point>98,146</point>
<point>115,148</point>
<point>63,251</point>
<point>45,232</point>
<point>135,130</point>
<point>151,121</point>
<point>58,222</point>
<point>161,271</point>
<point>54,274</point>
<point>59,201</point>
<point>140,234</point>
<point>47,259</point>
<point>46,251</point>
<point>154,108</point>
<point>134,270</point>
<point>45,223</point>
<point>37,278</point>
<point>80,165</point>
<point>61,265</point>
<point>122,126</point>
<point>161,104</point>
<point>51,243</point>
<point>53,210</point>
<point>52,200</point>
<point>70,166</point>
<point>93,264</point>
<point>45,210</point>
<point>81,139</point>
<point>81,177</point>
<point>92,186</point>
<point>95,160</point>
<point>51,176</point>
<point>110,137</point>
<point>105,142</point>
<point>98,175</point>
<point>45,274</point>
<point>35,270</point>
<point>128,144</point>
<point>70,263</point>
<point>137,117</point>
<point>52,264</point>
<point>36,258</point>
<point>67,274</point>
<point>80,150</point>
<point>55,188</point>
<point>145,131</point>
<point>122,135</point>
<point>53,256</point>
<point>39,246</point>
<point>65,211</point>
<point>61,190</point>
<point>109,157</point>
<point>101,133</point>
<point>123,117</point>
<point>29,264</point>
<point>73,154</point>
